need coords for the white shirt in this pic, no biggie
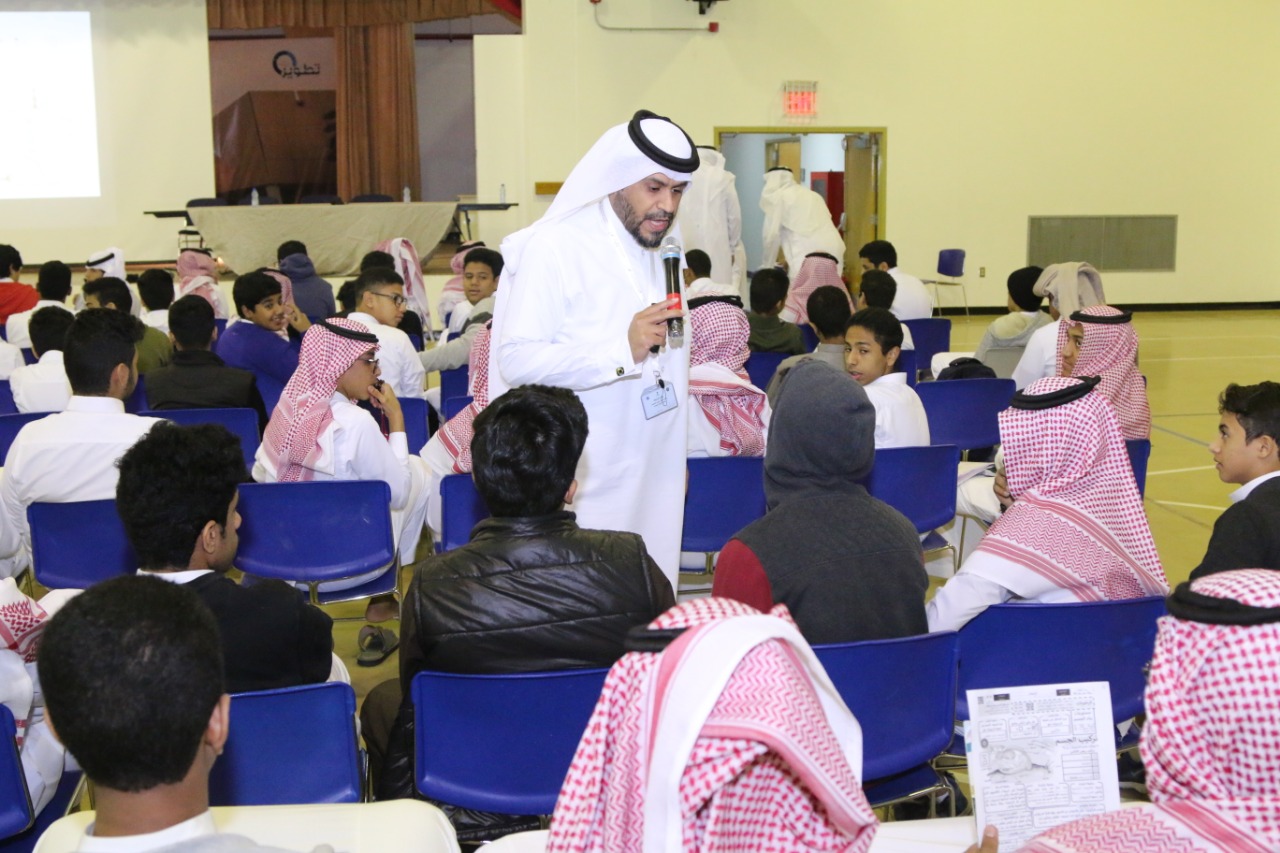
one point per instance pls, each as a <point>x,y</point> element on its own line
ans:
<point>158,319</point>
<point>912,301</point>
<point>458,318</point>
<point>188,830</point>
<point>710,219</point>
<point>1040,358</point>
<point>67,456</point>
<point>972,591</point>
<point>10,359</point>
<point>15,328</point>
<point>1244,491</point>
<point>43,386</point>
<point>801,222</point>
<point>397,357</point>
<point>900,417</point>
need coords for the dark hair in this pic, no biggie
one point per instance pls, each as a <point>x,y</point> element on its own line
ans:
<point>174,481</point>
<point>54,281</point>
<point>884,327</point>
<point>525,449</point>
<point>377,259</point>
<point>879,289</point>
<point>1020,284</point>
<point>290,247</point>
<point>347,296</point>
<point>698,262</point>
<point>828,309</point>
<point>374,277</point>
<point>155,286</point>
<point>131,671</point>
<point>488,257</point>
<point>110,291</point>
<point>879,252</point>
<point>191,322</point>
<point>48,329</point>
<point>1256,407</point>
<point>97,341</point>
<point>768,288</point>
<point>9,258</point>
<point>252,288</point>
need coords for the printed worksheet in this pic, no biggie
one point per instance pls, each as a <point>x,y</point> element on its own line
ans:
<point>1040,756</point>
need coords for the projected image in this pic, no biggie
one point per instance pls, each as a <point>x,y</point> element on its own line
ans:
<point>49,148</point>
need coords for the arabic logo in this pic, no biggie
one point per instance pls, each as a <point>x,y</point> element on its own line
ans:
<point>292,69</point>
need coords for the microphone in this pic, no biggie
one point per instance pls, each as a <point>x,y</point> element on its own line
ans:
<point>670,254</point>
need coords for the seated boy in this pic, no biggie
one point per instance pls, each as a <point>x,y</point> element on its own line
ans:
<point>481,273</point>
<point>155,287</point>
<point>380,304</point>
<point>311,293</point>
<point>53,283</point>
<point>259,345</point>
<point>154,349</point>
<point>43,386</point>
<point>531,591</point>
<point>828,311</point>
<point>878,290</point>
<point>873,341</point>
<point>769,333</point>
<point>1247,453</point>
<point>1016,328</point>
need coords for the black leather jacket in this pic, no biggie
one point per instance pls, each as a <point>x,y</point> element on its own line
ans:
<point>524,595</point>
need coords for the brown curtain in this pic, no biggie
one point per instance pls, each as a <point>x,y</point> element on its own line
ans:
<point>255,14</point>
<point>377,110</point>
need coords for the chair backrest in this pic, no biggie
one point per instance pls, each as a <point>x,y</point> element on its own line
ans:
<point>320,199</point>
<point>7,406</point>
<point>919,482</point>
<point>903,694</point>
<point>810,337</point>
<point>16,813</point>
<point>365,198</point>
<point>415,422</point>
<point>931,336</point>
<point>11,425</point>
<point>461,508</point>
<point>724,495</point>
<point>292,745</point>
<point>762,365</point>
<point>207,202</point>
<point>29,355</point>
<point>452,405</point>
<point>1139,454</point>
<point>499,742</point>
<point>964,412</point>
<point>137,401</point>
<point>315,531</point>
<point>242,423</point>
<point>220,324</point>
<point>455,382</point>
<point>909,364</point>
<point>951,263</point>
<point>75,545</point>
<point>1003,360</point>
<point>1011,645</point>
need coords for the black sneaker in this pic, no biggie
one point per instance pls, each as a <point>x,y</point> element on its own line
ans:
<point>1133,776</point>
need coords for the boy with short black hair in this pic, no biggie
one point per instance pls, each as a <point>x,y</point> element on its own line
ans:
<point>873,342</point>
<point>53,286</point>
<point>878,290</point>
<point>912,301</point>
<point>481,272</point>
<point>154,349</point>
<point>14,296</point>
<point>1247,452</point>
<point>257,345</point>
<point>828,311</point>
<point>769,333</point>
<point>43,386</point>
<point>380,305</point>
<point>155,287</point>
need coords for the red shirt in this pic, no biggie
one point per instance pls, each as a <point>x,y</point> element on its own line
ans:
<point>16,297</point>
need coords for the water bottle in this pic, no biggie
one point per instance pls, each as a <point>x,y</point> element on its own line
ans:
<point>253,197</point>
<point>405,196</point>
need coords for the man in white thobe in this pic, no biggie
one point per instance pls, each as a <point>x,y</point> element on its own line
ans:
<point>582,306</point>
<point>797,219</point>
<point>711,220</point>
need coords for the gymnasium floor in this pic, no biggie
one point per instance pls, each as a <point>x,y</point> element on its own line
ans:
<point>1188,358</point>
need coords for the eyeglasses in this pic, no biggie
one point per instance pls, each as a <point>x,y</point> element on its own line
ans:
<point>372,362</point>
<point>396,299</point>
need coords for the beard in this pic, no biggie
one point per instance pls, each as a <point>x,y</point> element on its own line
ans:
<point>632,221</point>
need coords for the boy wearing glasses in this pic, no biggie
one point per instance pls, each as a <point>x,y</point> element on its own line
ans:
<point>268,343</point>
<point>380,304</point>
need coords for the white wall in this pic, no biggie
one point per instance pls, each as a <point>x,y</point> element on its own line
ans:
<point>155,135</point>
<point>995,111</point>
<point>446,119</point>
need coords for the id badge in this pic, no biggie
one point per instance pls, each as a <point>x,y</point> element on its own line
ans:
<point>657,399</point>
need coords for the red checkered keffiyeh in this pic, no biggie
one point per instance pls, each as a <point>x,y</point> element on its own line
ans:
<point>410,269</point>
<point>198,274</point>
<point>1110,352</point>
<point>21,621</point>
<point>1211,744</point>
<point>815,272</point>
<point>456,433</point>
<point>291,441</point>
<point>286,284</point>
<point>1077,522</point>
<point>731,739</point>
<point>718,378</point>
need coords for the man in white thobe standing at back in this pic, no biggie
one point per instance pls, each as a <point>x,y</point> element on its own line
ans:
<point>711,220</point>
<point>583,304</point>
<point>796,219</point>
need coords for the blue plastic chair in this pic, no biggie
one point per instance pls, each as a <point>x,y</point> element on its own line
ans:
<point>724,495</point>
<point>242,423</point>
<point>7,406</point>
<point>903,694</point>
<point>290,746</point>
<point>455,382</point>
<point>762,365</point>
<point>16,813</point>
<point>931,336</point>
<point>461,508</point>
<point>920,483</point>
<point>1011,645</point>
<point>909,364</point>
<point>810,337</point>
<point>500,743</point>
<point>950,265</point>
<point>366,198</point>
<point>415,422</point>
<point>320,198</point>
<point>221,325</point>
<point>55,809</point>
<point>314,532</point>
<point>137,401</point>
<point>29,355</point>
<point>453,405</point>
<point>964,412</point>
<point>74,545</point>
<point>11,425</point>
<point>1139,455</point>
